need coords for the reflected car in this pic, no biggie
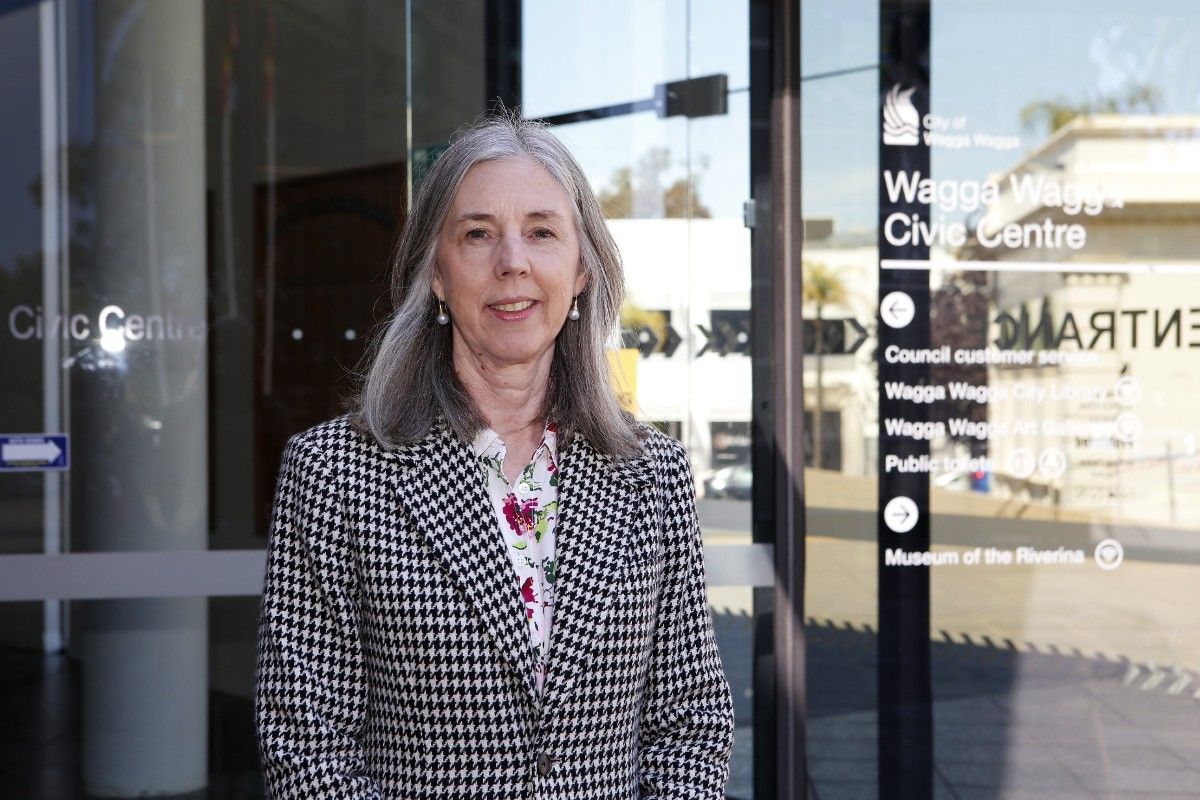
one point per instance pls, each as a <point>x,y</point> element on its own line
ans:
<point>730,483</point>
<point>964,481</point>
<point>956,481</point>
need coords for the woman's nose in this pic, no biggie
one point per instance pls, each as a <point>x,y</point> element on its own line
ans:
<point>511,257</point>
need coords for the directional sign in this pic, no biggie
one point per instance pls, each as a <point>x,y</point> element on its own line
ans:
<point>834,336</point>
<point>28,452</point>
<point>728,332</point>
<point>652,337</point>
<point>647,342</point>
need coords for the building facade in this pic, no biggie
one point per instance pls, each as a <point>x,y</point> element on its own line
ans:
<point>916,282</point>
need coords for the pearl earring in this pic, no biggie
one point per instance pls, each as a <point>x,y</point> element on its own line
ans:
<point>442,317</point>
<point>574,312</point>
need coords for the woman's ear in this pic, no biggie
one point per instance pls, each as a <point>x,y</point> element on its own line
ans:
<point>436,284</point>
<point>581,279</point>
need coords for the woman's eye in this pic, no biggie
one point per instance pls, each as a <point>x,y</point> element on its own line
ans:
<point>476,233</point>
<point>543,233</point>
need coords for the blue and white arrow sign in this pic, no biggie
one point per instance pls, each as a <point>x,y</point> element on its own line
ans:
<point>32,452</point>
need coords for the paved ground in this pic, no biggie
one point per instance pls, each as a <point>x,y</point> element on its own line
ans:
<point>1009,724</point>
<point>1055,683</point>
<point>1144,611</point>
<point>1052,682</point>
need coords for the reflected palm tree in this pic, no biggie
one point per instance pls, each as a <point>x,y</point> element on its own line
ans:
<point>1059,112</point>
<point>822,287</point>
<point>644,193</point>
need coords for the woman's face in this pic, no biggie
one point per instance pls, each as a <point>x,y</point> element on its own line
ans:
<point>508,261</point>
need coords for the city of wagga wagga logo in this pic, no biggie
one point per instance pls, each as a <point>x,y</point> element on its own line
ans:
<point>904,126</point>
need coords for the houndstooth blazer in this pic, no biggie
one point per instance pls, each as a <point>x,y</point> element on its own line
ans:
<point>394,659</point>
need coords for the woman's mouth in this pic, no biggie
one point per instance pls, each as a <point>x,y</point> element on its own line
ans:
<point>513,311</point>
<point>520,305</point>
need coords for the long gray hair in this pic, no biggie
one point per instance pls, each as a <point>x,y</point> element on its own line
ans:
<point>410,377</point>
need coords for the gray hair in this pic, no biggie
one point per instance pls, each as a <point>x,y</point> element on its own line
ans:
<point>410,377</point>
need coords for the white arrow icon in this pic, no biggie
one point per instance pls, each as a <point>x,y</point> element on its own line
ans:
<point>897,309</point>
<point>25,452</point>
<point>900,514</point>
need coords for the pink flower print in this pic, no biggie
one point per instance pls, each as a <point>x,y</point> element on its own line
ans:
<point>511,514</point>
<point>527,595</point>
<point>520,517</point>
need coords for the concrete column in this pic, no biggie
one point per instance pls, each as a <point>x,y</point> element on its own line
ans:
<point>139,398</point>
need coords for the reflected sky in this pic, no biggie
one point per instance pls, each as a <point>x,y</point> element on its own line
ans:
<point>584,55</point>
<point>989,61</point>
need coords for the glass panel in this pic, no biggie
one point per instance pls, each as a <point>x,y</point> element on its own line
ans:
<point>22,406</point>
<point>209,288</point>
<point>839,151</point>
<point>208,259</point>
<point>447,59</point>
<point>673,189</point>
<point>643,43</point>
<point>1036,579</point>
<point>199,199</point>
<point>1082,653</point>
<point>91,720</point>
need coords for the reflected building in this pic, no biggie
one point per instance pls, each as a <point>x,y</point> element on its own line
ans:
<point>1117,407</point>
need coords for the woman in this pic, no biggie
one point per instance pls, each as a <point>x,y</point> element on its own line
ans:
<point>487,579</point>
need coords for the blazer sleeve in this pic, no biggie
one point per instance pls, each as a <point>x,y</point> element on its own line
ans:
<point>687,720</point>
<point>310,698</point>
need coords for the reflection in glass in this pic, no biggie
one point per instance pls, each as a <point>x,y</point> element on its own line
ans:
<point>672,189</point>
<point>1062,446</point>
<point>184,179</point>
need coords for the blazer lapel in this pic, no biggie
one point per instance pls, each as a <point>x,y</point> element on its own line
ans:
<point>441,488</point>
<point>596,496</point>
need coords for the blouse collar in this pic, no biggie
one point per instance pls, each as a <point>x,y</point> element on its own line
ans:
<point>488,442</point>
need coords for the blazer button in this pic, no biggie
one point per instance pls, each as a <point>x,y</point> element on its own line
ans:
<point>544,764</point>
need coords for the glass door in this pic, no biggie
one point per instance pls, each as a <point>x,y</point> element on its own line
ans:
<point>1002,550</point>
<point>659,118</point>
<point>656,109</point>
<point>198,203</point>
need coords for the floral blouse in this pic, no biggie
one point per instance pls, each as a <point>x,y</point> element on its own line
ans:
<point>527,514</point>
